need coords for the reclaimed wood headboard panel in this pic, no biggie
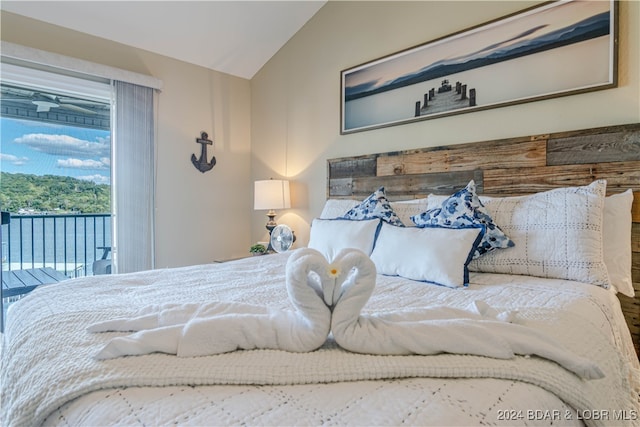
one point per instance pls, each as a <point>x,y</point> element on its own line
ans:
<point>507,167</point>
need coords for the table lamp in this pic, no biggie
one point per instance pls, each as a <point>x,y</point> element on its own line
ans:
<point>271,194</point>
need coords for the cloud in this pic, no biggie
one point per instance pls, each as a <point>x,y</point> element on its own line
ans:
<point>14,160</point>
<point>82,164</point>
<point>65,145</point>
<point>98,179</point>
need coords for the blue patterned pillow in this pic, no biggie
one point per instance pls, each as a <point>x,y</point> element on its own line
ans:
<point>461,210</point>
<point>374,206</point>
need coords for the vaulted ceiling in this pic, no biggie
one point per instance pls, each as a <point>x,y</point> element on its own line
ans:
<point>234,37</point>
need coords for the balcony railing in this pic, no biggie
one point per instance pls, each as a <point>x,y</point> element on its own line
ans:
<point>68,243</point>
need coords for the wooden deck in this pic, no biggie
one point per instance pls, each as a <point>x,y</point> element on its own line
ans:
<point>19,282</point>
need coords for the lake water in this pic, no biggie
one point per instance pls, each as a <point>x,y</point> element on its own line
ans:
<point>66,243</point>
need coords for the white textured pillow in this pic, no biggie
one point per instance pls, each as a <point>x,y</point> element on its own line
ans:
<point>435,200</point>
<point>335,208</point>
<point>616,237</point>
<point>557,234</point>
<point>405,209</point>
<point>617,241</point>
<point>330,236</point>
<point>430,254</point>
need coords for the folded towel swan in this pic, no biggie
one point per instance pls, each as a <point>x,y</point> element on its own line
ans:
<point>479,331</point>
<point>203,329</point>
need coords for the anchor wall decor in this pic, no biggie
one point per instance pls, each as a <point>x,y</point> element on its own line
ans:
<point>201,164</point>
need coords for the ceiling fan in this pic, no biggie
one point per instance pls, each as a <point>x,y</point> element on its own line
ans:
<point>44,102</point>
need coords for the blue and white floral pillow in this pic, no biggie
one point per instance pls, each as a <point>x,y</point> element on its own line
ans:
<point>463,209</point>
<point>374,206</point>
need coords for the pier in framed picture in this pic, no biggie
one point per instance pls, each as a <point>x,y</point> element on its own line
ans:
<point>556,49</point>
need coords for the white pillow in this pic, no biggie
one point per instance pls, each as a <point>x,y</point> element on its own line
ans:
<point>430,254</point>
<point>335,208</point>
<point>557,234</point>
<point>617,241</point>
<point>330,236</point>
<point>405,209</point>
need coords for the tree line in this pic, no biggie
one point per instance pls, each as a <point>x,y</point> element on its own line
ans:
<point>52,194</point>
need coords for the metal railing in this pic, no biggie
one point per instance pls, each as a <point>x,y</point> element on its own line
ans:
<point>70,243</point>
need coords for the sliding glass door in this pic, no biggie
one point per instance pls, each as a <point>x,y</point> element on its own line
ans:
<point>55,178</point>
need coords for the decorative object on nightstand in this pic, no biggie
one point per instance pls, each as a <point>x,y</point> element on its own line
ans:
<point>282,238</point>
<point>258,249</point>
<point>201,164</point>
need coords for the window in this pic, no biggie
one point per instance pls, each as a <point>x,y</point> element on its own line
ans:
<point>55,163</point>
<point>133,122</point>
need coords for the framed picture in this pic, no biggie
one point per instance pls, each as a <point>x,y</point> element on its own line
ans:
<point>555,49</point>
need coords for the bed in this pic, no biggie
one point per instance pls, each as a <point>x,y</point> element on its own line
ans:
<point>51,376</point>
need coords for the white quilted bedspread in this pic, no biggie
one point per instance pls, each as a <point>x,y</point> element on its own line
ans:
<point>49,375</point>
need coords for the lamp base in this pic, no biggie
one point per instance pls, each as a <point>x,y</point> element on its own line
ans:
<point>271,224</point>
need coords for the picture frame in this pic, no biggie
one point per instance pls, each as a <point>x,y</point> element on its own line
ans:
<point>555,49</point>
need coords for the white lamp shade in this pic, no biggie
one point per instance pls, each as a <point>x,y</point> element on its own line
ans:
<point>271,194</point>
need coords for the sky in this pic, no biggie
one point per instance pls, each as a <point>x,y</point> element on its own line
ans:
<point>49,149</point>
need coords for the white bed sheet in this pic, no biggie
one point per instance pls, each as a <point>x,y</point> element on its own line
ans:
<point>394,401</point>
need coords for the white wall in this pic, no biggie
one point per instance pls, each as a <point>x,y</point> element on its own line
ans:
<point>296,96</point>
<point>200,217</point>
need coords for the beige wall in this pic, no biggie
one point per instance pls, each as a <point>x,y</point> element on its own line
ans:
<point>296,96</point>
<point>200,217</point>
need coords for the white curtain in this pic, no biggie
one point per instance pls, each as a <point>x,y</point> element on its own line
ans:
<point>133,186</point>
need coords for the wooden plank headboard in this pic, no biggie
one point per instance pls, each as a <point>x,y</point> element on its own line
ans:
<point>507,167</point>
